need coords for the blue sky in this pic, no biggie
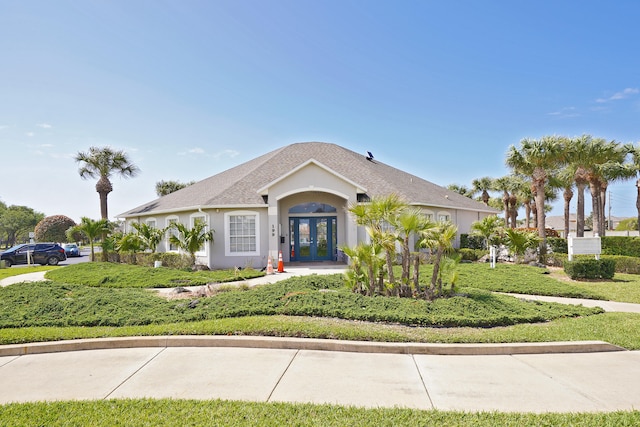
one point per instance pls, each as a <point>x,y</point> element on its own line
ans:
<point>191,88</point>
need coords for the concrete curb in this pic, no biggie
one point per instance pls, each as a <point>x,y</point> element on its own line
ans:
<point>308,344</point>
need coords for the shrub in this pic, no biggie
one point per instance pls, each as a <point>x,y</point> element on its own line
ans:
<point>590,268</point>
<point>558,245</point>
<point>471,254</point>
<point>621,245</point>
<point>53,229</point>
<point>471,242</point>
<point>624,264</point>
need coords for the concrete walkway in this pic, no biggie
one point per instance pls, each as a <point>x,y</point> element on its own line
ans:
<point>275,370</point>
<point>534,377</point>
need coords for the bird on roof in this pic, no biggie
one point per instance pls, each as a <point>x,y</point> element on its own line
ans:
<point>369,155</point>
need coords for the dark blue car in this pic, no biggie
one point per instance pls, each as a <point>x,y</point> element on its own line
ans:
<point>37,253</point>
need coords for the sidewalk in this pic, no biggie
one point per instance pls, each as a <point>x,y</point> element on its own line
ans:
<point>559,382</point>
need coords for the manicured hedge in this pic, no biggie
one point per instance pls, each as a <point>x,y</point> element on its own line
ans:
<point>590,268</point>
<point>621,245</point>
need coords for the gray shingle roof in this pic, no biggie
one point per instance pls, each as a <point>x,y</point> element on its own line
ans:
<point>239,185</point>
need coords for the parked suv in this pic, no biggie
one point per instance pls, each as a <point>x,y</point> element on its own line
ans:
<point>40,253</point>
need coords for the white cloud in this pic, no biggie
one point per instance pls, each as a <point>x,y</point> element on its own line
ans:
<point>627,92</point>
<point>226,153</point>
<point>4,127</point>
<point>565,112</point>
<point>30,134</point>
<point>196,150</point>
<point>44,125</point>
<point>46,145</point>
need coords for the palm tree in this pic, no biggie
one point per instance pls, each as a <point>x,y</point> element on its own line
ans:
<point>606,164</point>
<point>482,186</point>
<point>167,187</point>
<point>439,240</point>
<point>460,189</point>
<point>102,163</point>
<point>379,217</point>
<point>635,158</point>
<point>537,159</point>
<point>91,230</point>
<point>504,184</point>
<point>191,239</point>
<point>411,222</point>
<point>519,241</point>
<point>487,228</point>
<point>150,236</point>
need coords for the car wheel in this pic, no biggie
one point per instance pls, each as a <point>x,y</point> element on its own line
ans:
<point>7,263</point>
<point>53,261</point>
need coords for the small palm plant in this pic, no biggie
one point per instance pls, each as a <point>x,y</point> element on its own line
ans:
<point>91,230</point>
<point>149,235</point>
<point>440,241</point>
<point>518,241</point>
<point>487,228</point>
<point>191,239</point>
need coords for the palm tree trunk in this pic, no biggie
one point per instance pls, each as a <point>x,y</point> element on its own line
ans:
<point>580,211</point>
<point>603,211</point>
<point>638,201</point>
<point>416,273</point>
<point>596,207</point>
<point>568,195</point>
<point>540,216</point>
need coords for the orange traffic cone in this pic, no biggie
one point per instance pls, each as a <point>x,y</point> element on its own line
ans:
<point>280,263</point>
<point>269,266</point>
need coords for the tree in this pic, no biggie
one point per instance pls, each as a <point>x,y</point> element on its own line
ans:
<point>91,230</point>
<point>537,159</point>
<point>410,222</point>
<point>518,241</point>
<point>482,186</point>
<point>379,217</point>
<point>461,189</point>
<point>102,163</point>
<point>150,236</point>
<point>635,158</point>
<point>487,228</point>
<point>439,239</point>
<point>167,187</point>
<point>53,228</point>
<point>17,221</point>
<point>191,239</point>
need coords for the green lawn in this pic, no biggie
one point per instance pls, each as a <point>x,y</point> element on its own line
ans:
<point>98,300</point>
<point>167,412</point>
<point>15,271</point>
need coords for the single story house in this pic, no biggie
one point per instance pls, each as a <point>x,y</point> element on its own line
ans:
<point>294,201</point>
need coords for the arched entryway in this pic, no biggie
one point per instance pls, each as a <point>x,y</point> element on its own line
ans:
<point>313,229</point>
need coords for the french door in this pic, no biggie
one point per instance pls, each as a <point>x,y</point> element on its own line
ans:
<point>312,238</point>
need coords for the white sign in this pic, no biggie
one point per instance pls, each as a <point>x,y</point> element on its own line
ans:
<point>584,246</point>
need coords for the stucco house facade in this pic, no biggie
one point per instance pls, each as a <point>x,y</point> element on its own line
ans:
<point>295,200</point>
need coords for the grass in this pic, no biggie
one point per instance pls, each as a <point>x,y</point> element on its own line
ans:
<point>55,304</point>
<point>111,275</point>
<point>308,307</point>
<point>167,412</point>
<point>16,271</point>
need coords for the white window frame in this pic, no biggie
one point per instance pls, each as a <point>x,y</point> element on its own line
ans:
<point>227,233</point>
<point>444,217</point>
<point>153,220</point>
<point>169,221</point>
<point>192,220</point>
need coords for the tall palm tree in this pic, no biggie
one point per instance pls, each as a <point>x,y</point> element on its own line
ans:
<point>607,164</point>
<point>537,159</point>
<point>635,159</point>
<point>482,186</point>
<point>503,184</point>
<point>102,163</point>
